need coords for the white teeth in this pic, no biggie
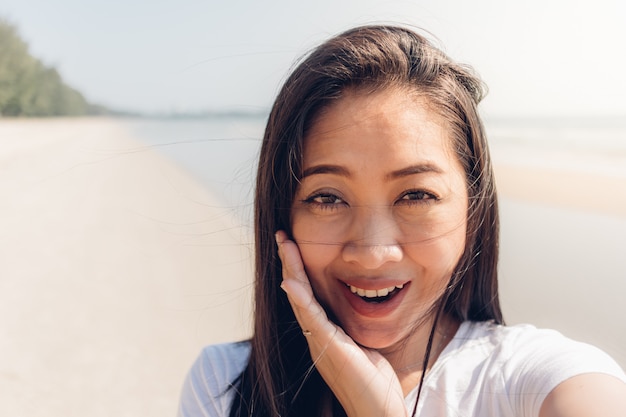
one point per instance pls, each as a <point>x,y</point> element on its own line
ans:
<point>374,293</point>
<point>371,293</point>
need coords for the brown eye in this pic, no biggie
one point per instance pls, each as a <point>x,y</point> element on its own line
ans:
<point>417,197</point>
<point>325,199</point>
<point>324,202</point>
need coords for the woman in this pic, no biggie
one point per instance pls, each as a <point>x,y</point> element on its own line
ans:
<point>375,183</point>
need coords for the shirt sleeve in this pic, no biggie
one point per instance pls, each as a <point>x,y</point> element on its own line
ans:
<point>543,362</point>
<point>207,388</point>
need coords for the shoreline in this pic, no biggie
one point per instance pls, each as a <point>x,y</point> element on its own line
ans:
<point>591,182</point>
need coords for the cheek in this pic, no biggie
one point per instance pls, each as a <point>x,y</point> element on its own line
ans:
<point>439,256</point>
<point>453,242</point>
<point>316,258</point>
<point>318,245</point>
<point>453,247</point>
<point>315,233</point>
<point>439,247</point>
<point>446,226</point>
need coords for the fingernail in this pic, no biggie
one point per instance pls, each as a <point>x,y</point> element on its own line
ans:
<point>278,238</point>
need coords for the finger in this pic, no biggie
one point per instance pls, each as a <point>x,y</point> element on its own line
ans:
<point>291,260</point>
<point>294,275</point>
<point>296,284</point>
<point>308,311</point>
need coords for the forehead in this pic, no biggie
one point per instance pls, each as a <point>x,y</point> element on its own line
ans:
<point>392,126</point>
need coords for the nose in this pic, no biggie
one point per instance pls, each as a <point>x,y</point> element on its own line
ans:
<point>373,239</point>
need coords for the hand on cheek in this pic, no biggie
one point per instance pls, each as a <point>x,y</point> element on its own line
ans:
<point>362,380</point>
<point>310,314</point>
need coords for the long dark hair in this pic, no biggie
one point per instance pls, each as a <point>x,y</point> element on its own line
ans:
<point>280,379</point>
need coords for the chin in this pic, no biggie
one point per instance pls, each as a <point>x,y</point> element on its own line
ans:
<point>374,339</point>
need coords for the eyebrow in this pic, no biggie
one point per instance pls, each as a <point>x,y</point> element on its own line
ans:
<point>415,169</point>
<point>344,172</point>
<point>326,169</point>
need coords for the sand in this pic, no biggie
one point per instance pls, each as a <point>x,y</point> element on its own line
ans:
<point>563,240</point>
<point>117,266</point>
<point>574,179</point>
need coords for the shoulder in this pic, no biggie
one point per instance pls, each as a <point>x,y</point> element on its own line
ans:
<point>513,368</point>
<point>540,357</point>
<point>586,395</point>
<point>231,356</point>
<point>548,353</point>
<point>206,391</point>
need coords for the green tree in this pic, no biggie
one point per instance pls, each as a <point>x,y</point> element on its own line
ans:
<point>29,88</point>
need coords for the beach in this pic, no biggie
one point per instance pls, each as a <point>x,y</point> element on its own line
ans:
<point>117,267</point>
<point>119,263</point>
<point>563,236</point>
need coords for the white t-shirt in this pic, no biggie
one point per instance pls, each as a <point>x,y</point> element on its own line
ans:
<point>486,370</point>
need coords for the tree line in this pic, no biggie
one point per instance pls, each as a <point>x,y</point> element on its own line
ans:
<point>30,88</point>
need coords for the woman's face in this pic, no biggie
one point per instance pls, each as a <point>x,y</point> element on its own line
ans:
<point>380,214</point>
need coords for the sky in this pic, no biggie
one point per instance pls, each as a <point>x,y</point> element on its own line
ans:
<point>538,57</point>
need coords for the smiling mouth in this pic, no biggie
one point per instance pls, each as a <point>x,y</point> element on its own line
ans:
<point>375,296</point>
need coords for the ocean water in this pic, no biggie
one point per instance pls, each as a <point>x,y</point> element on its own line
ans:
<point>222,153</point>
<point>600,135</point>
<point>561,267</point>
<point>594,145</point>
